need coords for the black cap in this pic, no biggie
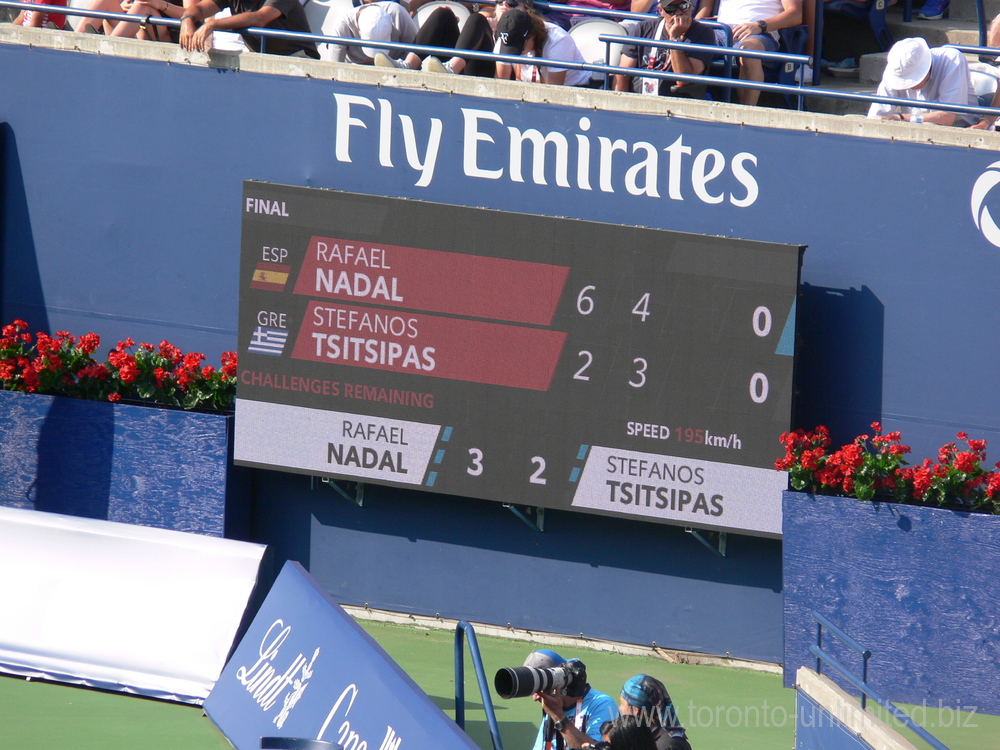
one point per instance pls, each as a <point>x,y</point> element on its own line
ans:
<point>513,30</point>
<point>681,5</point>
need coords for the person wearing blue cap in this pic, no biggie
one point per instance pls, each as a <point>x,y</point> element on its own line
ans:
<point>574,715</point>
<point>647,699</point>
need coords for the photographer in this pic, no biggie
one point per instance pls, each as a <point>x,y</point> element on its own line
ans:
<point>573,714</point>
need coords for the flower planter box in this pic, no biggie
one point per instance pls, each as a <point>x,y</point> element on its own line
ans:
<point>918,586</point>
<point>141,465</point>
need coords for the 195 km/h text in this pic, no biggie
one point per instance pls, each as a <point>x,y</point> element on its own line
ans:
<point>698,436</point>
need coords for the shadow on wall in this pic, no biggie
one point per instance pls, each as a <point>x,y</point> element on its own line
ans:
<point>74,459</point>
<point>20,284</point>
<point>839,365</point>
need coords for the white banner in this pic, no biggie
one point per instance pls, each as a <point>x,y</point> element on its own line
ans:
<point>333,442</point>
<point>120,607</point>
<point>684,490</point>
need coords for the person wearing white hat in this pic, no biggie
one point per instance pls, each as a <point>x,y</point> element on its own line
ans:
<point>915,71</point>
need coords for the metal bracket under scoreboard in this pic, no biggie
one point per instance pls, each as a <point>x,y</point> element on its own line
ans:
<point>719,549</point>
<point>538,524</point>
<point>357,497</point>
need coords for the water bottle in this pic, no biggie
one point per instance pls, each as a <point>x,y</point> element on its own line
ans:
<point>917,115</point>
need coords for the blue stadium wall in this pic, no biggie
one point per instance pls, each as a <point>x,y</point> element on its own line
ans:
<point>122,181</point>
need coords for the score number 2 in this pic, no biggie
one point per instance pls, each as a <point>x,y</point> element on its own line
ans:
<point>585,306</point>
<point>476,467</point>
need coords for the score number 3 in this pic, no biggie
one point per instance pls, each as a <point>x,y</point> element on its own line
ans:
<point>585,306</point>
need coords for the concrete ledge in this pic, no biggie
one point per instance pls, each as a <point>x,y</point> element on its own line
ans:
<point>846,710</point>
<point>585,99</point>
<point>549,639</point>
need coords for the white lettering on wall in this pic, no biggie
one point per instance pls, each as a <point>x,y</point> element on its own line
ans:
<point>493,150</point>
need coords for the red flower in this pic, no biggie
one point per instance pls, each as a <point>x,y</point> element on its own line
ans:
<point>114,397</point>
<point>965,462</point>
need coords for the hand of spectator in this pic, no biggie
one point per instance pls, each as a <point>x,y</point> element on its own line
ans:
<point>202,39</point>
<point>983,124</point>
<point>678,25</point>
<point>188,30</point>
<point>743,30</point>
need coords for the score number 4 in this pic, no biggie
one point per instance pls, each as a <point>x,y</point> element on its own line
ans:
<point>759,386</point>
<point>585,306</point>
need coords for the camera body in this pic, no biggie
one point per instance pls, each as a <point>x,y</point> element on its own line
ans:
<point>570,678</point>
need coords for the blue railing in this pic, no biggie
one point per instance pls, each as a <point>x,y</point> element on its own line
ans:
<point>465,629</point>
<point>867,691</point>
<point>799,90</point>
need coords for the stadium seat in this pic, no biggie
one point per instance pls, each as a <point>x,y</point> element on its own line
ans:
<point>292,743</point>
<point>460,11</point>
<point>791,41</point>
<point>587,35</point>
<point>322,14</point>
<point>74,21</point>
<point>985,84</point>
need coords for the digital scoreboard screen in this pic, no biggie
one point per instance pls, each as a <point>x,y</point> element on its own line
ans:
<point>531,360</point>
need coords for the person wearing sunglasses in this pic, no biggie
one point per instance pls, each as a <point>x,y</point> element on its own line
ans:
<point>755,25</point>
<point>529,35</point>
<point>675,24</point>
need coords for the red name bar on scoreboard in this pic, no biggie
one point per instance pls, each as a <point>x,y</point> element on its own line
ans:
<point>432,280</point>
<point>452,348</point>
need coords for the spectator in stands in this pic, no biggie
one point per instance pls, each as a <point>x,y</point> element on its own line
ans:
<point>43,20</point>
<point>160,8</point>
<point>647,699</point>
<point>528,34</point>
<point>675,24</point>
<point>441,29</point>
<point>198,24</point>
<point>915,71</point>
<point>475,36</point>
<point>754,24</point>
<point>576,718</point>
<point>384,21</point>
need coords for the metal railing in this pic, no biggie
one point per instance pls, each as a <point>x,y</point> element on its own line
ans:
<point>799,90</point>
<point>465,629</point>
<point>867,691</point>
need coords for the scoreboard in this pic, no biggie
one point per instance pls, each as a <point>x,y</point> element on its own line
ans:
<point>525,359</point>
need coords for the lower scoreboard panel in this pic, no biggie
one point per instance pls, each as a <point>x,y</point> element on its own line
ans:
<point>524,359</point>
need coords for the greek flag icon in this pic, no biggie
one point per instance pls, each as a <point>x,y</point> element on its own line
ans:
<point>268,341</point>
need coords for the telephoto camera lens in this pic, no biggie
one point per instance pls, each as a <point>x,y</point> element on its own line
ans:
<point>518,682</point>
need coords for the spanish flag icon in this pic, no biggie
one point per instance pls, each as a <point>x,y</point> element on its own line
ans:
<point>272,276</point>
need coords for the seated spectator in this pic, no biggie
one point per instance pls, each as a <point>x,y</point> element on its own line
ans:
<point>377,22</point>
<point>528,34</point>
<point>441,30</point>
<point>198,24</point>
<point>161,8</point>
<point>474,38</point>
<point>915,71</point>
<point>43,20</point>
<point>754,24</point>
<point>676,25</point>
<point>647,699</point>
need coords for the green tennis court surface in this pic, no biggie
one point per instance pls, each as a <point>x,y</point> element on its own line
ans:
<point>725,709</point>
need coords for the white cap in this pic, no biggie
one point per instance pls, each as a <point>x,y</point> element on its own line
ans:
<point>375,24</point>
<point>907,64</point>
